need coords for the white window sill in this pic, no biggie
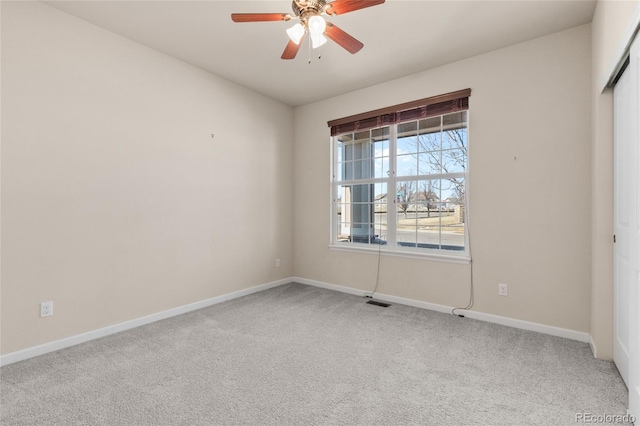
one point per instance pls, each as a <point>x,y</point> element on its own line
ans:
<point>451,258</point>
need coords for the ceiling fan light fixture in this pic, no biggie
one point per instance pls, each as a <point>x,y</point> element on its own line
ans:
<point>310,13</point>
<point>317,40</point>
<point>295,33</point>
<point>316,25</point>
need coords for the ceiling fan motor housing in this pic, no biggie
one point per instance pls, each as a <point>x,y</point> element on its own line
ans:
<point>306,8</point>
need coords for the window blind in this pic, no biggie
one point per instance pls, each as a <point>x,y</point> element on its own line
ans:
<point>422,108</point>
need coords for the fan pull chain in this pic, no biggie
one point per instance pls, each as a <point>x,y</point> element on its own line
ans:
<point>309,52</point>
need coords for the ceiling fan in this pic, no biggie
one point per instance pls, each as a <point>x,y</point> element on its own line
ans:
<point>310,13</point>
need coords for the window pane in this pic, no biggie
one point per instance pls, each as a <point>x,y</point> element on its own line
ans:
<point>381,134</point>
<point>380,191</point>
<point>381,236</point>
<point>429,142</point>
<point>362,213</point>
<point>428,125</point>
<point>362,169</point>
<point>406,214</point>
<point>342,227</point>
<point>454,161</point>
<point>407,165</point>
<point>381,168</point>
<point>365,134</point>
<point>430,214</point>
<point>354,160</point>
<point>452,190</point>
<point>348,170</point>
<point>381,149</point>
<point>407,138</point>
<point>427,216</point>
<point>348,152</point>
<point>347,137</point>
<point>454,139</point>
<point>344,232</point>
<point>380,152</point>
<point>380,212</point>
<point>363,233</point>
<point>405,194</point>
<point>428,194</point>
<point>456,118</point>
<point>407,129</point>
<point>406,236</point>
<point>354,213</point>
<point>362,193</point>
<point>429,225</point>
<point>429,163</point>
<point>406,145</point>
<point>362,150</point>
<point>453,211</point>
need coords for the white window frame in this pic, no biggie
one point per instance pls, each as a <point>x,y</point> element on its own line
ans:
<point>391,248</point>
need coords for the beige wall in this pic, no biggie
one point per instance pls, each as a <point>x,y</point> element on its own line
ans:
<point>114,194</point>
<point>116,201</point>
<point>530,168</point>
<point>613,24</point>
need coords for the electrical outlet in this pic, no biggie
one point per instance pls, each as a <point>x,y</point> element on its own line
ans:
<point>46,309</point>
<point>277,263</point>
<point>502,289</point>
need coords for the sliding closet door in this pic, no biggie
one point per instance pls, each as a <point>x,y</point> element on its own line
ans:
<point>634,294</point>
<point>623,178</point>
<point>626,345</point>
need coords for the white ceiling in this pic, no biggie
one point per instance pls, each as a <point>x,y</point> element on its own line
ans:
<point>400,37</point>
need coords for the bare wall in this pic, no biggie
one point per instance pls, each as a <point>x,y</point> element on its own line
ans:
<point>530,195</point>
<point>116,200</point>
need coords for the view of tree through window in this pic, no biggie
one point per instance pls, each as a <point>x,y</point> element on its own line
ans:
<point>403,185</point>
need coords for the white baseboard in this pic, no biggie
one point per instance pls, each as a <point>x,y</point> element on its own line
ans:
<point>340,288</point>
<point>496,319</point>
<point>34,351</point>
<point>56,345</point>
<point>594,348</point>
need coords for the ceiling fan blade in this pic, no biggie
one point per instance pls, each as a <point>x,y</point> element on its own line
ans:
<point>343,39</point>
<point>291,50</point>
<point>338,7</point>
<point>259,17</point>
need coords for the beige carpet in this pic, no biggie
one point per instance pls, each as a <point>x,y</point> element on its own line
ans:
<point>300,355</point>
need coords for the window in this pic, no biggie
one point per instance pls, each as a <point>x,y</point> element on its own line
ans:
<point>401,186</point>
